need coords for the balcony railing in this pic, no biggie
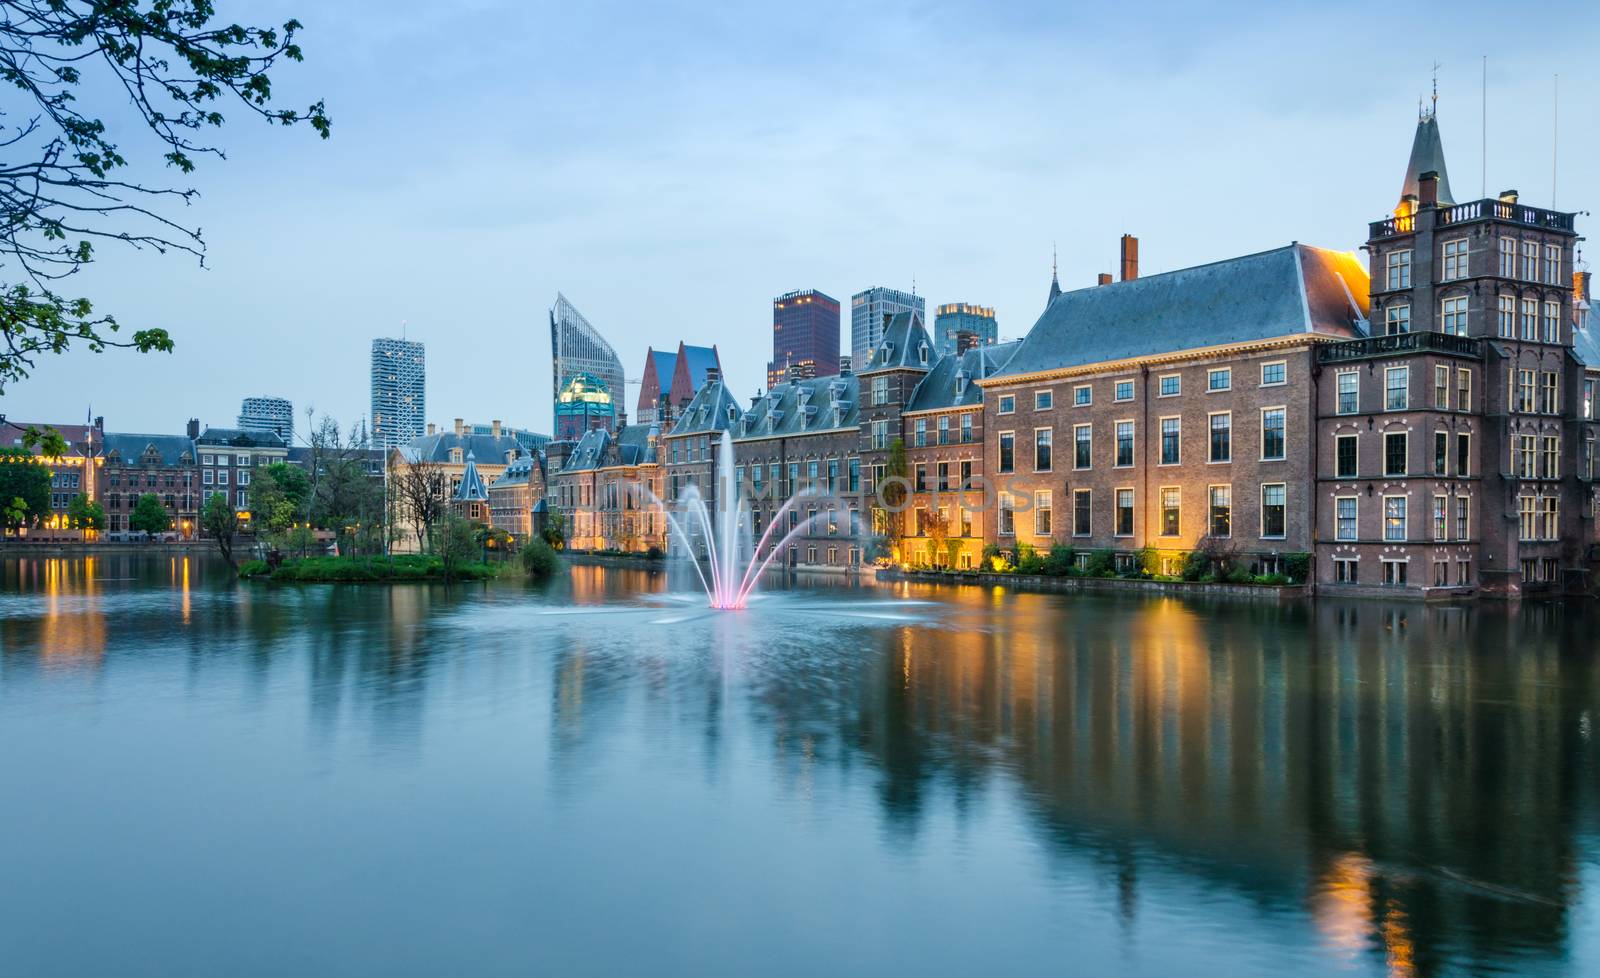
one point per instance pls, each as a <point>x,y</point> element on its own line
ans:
<point>1489,208</point>
<point>1398,343</point>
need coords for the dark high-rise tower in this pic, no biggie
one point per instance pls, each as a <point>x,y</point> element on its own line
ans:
<point>805,335</point>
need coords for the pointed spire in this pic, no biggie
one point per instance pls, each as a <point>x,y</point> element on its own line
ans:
<point>1427,154</point>
<point>1055,282</point>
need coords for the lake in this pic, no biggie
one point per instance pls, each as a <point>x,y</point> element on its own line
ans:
<point>593,777</point>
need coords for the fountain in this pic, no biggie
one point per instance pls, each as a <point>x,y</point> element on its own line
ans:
<point>732,564</point>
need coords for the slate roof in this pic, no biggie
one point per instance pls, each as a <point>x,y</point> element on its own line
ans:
<point>78,436</point>
<point>666,362</point>
<point>1427,153</point>
<point>471,488</point>
<point>172,449</point>
<point>436,447</point>
<point>1296,289</point>
<point>950,383</point>
<point>518,473</point>
<point>708,412</point>
<point>599,448</point>
<point>797,407</point>
<point>1586,344</point>
<point>241,438</point>
<point>905,345</point>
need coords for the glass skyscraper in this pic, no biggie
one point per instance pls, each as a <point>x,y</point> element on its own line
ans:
<point>586,376</point>
<point>957,318</point>
<point>868,312</point>
<point>805,336</point>
<point>399,370</point>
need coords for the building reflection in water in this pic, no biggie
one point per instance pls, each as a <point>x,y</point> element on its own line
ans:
<point>1414,779</point>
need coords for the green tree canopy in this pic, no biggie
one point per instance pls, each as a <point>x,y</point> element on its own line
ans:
<point>219,521</point>
<point>149,515</point>
<point>84,513</point>
<point>172,68</point>
<point>24,489</point>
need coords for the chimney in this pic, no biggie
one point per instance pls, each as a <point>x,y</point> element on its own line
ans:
<point>459,425</point>
<point>194,428</point>
<point>494,428</point>
<point>1130,257</point>
<point>1508,196</point>
<point>847,364</point>
<point>1104,278</point>
<point>1428,189</point>
<point>99,422</point>
<point>1580,286</point>
<point>432,428</point>
<point>713,374</point>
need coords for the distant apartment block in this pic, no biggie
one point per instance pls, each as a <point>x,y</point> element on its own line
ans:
<point>399,373</point>
<point>870,310</point>
<point>274,414</point>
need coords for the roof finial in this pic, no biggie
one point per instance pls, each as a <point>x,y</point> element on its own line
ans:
<point>1435,109</point>
<point>1052,261</point>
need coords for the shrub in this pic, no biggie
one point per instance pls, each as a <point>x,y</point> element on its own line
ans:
<point>1028,560</point>
<point>1146,562</point>
<point>654,553</point>
<point>1276,580</point>
<point>1240,575</point>
<point>1196,564</point>
<point>1101,564</point>
<point>1297,567</point>
<point>995,559</point>
<point>253,568</point>
<point>1058,563</point>
<point>539,559</point>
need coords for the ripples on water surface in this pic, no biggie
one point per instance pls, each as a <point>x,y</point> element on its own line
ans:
<point>597,778</point>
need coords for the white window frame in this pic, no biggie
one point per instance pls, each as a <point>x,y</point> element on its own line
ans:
<point>1209,431</point>
<point>1274,383</point>
<point>1044,400</point>
<point>1227,375</point>
<point>1005,404</point>
<point>1133,390</point>
<point>1262,446</point>
<point>1262,513</point>
<point>1163,378</point>
<point>1355,520</point>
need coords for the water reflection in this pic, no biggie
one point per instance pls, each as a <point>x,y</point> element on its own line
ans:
<point>1394,789</point>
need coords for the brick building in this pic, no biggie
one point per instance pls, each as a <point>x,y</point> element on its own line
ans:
<point>166,465</point>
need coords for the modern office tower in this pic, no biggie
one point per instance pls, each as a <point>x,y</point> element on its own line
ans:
<point>274,414</point>
<point>586,376</point>
<point>869,310</point>
<point>960,326</point>
<point>805,335</point>
<point>399,370</point>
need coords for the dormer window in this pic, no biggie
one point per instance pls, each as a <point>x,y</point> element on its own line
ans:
<point>455,456</point>
<point>961,382</point>
<point>922,354</point>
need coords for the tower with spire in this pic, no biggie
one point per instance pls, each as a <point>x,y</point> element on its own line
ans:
<point>1462,415</point>
<point>1055,280</point>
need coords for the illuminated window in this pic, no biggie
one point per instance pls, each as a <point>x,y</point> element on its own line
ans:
<point>1220,510</point>
<point>1171,510</point>
<point>1344,509</point>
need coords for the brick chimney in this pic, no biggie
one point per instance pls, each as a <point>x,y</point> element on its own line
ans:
<point>194,428</point>
<point>460,423</point>
<point>432,428</point>
<point>494,428</point>
<point>1104,278</point>
<point>1428,189</point>
<point>713,374</point>
<point>1580,286</point>
<point>1130,257</point>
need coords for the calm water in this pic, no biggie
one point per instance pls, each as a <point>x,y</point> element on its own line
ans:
<point>199,778</point>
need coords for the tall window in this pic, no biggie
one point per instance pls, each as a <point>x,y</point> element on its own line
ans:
<point>1171,441</point>
<point>1526,452</point>
<point>880,435</point>
<point>1550,456</point>
<point>1274,521</point>
<point>1455,259</point>
<point>1527,518</point>
<point>1041,513</point>
<point>1394,517</point>
<point>1463,508</point>
<point>1124,527</point>
<point>1344,518</point>
<point>1400,269</point>
<point>1507,317</point>
<point>1463,453</point>
<point>1441,518</point>
<point>1530,319</point>
<point>966,428</point>
<point>1081,499</point>
<point>1549,518</point>
<point>1273,440</point>
<point>920,438</point>
<point>1397,318</point>
<point>1530,260</point>
<point>1549,392</point>
<point>1008,454</point>
<point>1441,388</point>
<point>880,390</point>
<point>1394,453</point>
<point>1552,322</point>
<point>1222,437</point>
<point>1508,257</point>
<point>944,429</point>
<point>1453,314</point>
<point>1082,446</point>
<point>1552,264</point>
<point>1042,441</point>
<point>1397,383</point>
<point>1463,389</point>
<point>1441,451</point>
<point>1124,443</point>
<point>1345,456</point>
<point>1523,401</point>
<point>1349,392</point>
<point>1220,516</point>
<point>1171,511</point>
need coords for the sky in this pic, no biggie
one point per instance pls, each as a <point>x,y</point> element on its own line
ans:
<point>670,167</point>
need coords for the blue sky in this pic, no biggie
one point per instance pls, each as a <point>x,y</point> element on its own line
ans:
<point>670,167</point>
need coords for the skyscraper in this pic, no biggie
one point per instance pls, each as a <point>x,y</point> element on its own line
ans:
<point>399,370</point>
<point>869,310</point>
<point>273,414</point>
<point>805,335</point>
<point>586,376</point>
<point>960,326</point>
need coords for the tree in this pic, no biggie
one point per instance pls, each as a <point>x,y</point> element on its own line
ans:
<point>149,515</point>
<point>219,520</point>
<point>420,491</point>
<point>24,488</point>
<point>84,513</point>
<point>64,191</point>
<point>455,543</point>
<point>555,530</point>
<point>888,515</point>
<point>938,528</point>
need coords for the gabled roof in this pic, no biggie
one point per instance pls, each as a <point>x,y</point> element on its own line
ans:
<point>241,438</point>
<point>1427,153</point>
<point>170,449</point>
<point>1291,290</point>
<point>635,445</point>
<point>709,411</point>
<point>436,447</point>
<point>952,381</point>
<point>665,362</point>
<point>518,473</point>
<point>905,345</point>
<point>589,452</point>
<point>1586,344</point>
<point>797,407</point>
<point>471,489</point>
